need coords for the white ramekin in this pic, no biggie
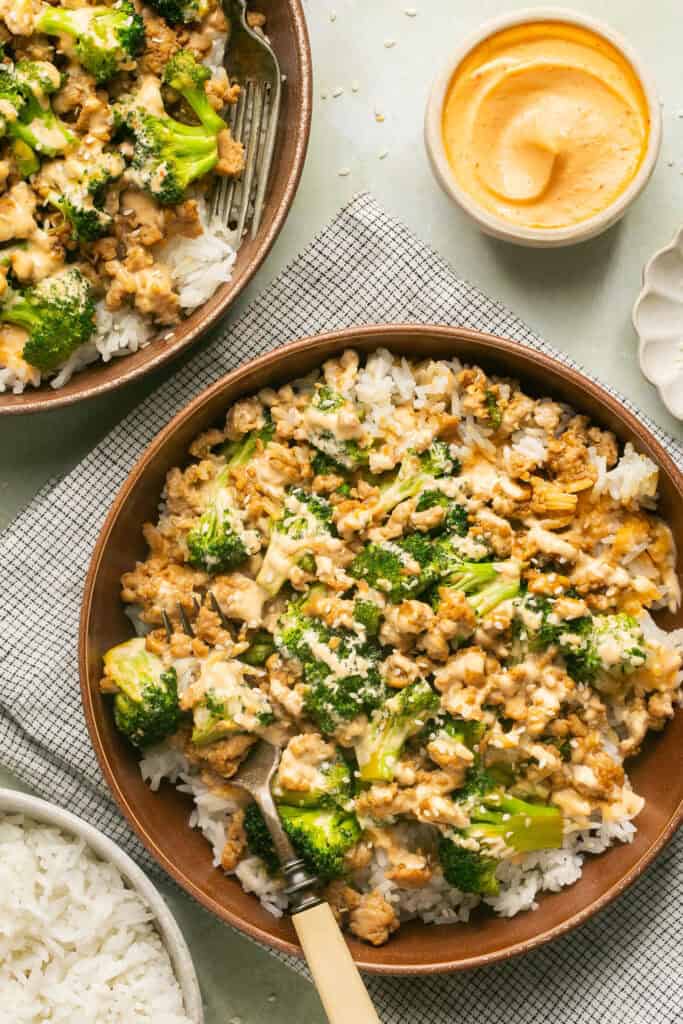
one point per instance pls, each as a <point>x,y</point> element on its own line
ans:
<point>541,238</point>
<point>12,802</point>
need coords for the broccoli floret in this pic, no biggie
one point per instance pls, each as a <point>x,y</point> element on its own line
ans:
<point>305,520</point>
<point>498,823</point>
<point>146,704</point>
<point>486,584</point>
<point>332,696</point>
<point>468,731</point>
<point>106,38</point>
<point>334,787</point>
<point>605,644</point>
<point>24,157</point>
<point>188,77</point>
<point>217,542</point>
<point>416,473</point>
<point>368,615</point>
<point>347,454</point>
<point>379,747</point>
<point>227,706</point>
<point>467,870</point>
<point>27,88</point>
<point>390,566</point>
<point>456,518</point>
<point>181,12</point>
<point>320,835</point>
<point>259,839</point>
<point>324,465</point>
<point>58,313</point>
<point>261,646</point>
<point>78,190</point>
<point>169,155</point>
<point>493,409</point>
<point>241,452</point>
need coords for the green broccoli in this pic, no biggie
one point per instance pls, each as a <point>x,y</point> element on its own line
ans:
<point>27,89</point>
<point>241,452</point>
<point>217,542</point>
<point>320,835</point>
<point>259,840</point>
<point>379,748</point>
<point>416,473</point>
<point>345,454</point>
<point>333,695</point>
<point>181,12</point>
<point>498,823</point>
<point>486,584</point>
<point>229,706</point>
<point>261,646</point>
<point>24,157</point>
<point>335,787</point>
<point>367,614</point>
<point>612,645</point>
<point>306,519</point>
<point>169,155</point>
<point>146,704</point>
<point>58,313</point>
<point>79,192</point>
<point>467,870</point>
<point>493,409</point>
<point>106,38</point>
<point>455,519</point>
<point>468,731</point>
<point>400,569</point>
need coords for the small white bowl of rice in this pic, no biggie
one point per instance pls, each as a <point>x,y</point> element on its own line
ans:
<point>84,935</point>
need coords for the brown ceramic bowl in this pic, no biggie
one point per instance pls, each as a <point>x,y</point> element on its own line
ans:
<point>160,819</point>
<point>289,38</point>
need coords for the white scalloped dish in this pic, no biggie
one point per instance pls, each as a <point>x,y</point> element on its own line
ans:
<point>658,320</point>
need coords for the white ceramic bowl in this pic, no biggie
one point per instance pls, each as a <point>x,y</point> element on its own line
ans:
<point>542,238</point>
<point>658,320</point>
<point>12,802</point>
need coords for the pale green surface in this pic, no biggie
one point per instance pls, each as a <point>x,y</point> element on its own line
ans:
<point>580,299</point>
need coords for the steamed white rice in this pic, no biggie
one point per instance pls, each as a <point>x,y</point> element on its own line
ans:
<point>76,945</point>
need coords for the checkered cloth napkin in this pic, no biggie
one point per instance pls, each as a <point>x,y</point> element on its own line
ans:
<point>623,966</point>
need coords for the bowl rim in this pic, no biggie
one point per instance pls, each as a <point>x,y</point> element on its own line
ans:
<point>45,398</point>
<point>15,802</point>
<point>341,339</point>
<point>497,226</point>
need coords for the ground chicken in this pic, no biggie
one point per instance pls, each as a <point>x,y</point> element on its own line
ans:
<point>235,842</point>
<point>373,919</point>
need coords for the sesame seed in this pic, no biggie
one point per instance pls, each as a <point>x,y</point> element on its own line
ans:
<point>410,12</point>
<point>383,155</point>
<point>323,94</point>
<point>333,15</point>
<point>355,86</point>
<point>338,91</point>
<point>344,172</point>
<point>379,118</point>
<point>389,44</point>
<point>168,336</point>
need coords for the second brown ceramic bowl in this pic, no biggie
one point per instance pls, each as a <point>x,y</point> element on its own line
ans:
<point>160,819</point>
<point>289,38</point>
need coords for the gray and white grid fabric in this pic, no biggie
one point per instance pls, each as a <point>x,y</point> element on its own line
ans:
<point>626,964</point>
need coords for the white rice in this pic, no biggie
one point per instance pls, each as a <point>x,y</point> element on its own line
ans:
<point>633,479</point>
<point>75,943</point>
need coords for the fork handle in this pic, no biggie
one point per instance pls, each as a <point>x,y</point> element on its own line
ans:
<point>337,979</point>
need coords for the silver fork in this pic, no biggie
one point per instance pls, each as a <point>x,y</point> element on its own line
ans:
<point>249,61</point>
<point>337,979</point>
